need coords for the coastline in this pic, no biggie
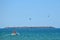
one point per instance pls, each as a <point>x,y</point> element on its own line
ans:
<point>29,27</point>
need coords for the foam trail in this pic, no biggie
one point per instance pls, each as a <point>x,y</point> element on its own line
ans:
<point>18,33</point>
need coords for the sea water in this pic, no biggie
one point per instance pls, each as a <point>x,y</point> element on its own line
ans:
<point>30,34</point>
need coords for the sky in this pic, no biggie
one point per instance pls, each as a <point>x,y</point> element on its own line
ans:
<point>29,13</point>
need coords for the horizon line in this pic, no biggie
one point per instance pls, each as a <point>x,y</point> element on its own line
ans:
<point>28,26</point>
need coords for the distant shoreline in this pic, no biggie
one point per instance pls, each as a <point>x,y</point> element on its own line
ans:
<point>31,27</point>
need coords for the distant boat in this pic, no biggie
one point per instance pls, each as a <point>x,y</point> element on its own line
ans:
<point>14,33</point>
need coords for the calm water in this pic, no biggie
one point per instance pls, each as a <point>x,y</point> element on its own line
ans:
<point>30,34</point>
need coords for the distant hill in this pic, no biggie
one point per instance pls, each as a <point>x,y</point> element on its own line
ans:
<point>32,27</point>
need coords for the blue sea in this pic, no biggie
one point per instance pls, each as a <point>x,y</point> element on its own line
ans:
<point>30,34</point>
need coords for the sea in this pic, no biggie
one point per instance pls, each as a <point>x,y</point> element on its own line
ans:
<point>30,33</point>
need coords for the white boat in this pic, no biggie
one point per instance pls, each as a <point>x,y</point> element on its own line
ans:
<point>15,33</point>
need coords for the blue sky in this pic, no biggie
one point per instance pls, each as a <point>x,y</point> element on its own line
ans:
<point>18,12</point>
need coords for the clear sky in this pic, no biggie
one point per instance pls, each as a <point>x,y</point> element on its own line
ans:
<point>18,13</point>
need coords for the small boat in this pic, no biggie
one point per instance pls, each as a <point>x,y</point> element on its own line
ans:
<point>14,33</point>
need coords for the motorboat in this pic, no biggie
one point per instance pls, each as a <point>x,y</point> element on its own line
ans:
<point>14,33</point>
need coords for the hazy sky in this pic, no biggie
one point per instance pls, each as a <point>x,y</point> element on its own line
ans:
<point>18,12</point>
